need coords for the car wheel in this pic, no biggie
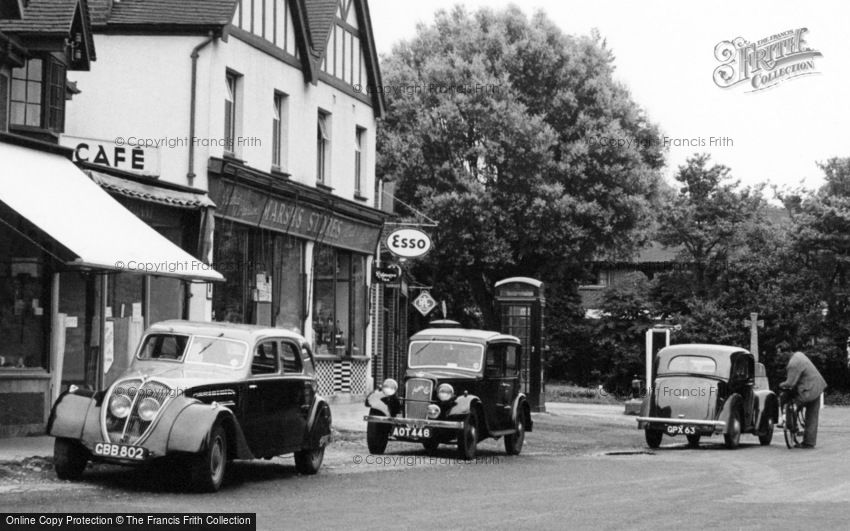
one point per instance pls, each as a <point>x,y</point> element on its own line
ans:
<point>376,437</point>
<point>733,436</point>
<point>767,436</point>
<point>308,462</point>
<point>431,446</point>
<point>653,437</point>
<point>467,438</point>
<point>693,440</point>
<point>207,468</point>
<point>514,441</point>
<point>69,458</point>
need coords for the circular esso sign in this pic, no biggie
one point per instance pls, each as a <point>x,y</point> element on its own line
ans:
<point>408,243</point>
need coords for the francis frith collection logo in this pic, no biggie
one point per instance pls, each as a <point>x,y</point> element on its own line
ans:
<point>764,63</point>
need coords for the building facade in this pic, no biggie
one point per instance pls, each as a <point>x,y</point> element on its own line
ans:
<point>68,312</point>
<point>260,104</point>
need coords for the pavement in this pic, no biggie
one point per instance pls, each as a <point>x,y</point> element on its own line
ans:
<point>346,417</point>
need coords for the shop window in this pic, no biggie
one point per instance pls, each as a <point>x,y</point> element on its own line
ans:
<point>339,302</point>
<point>323,142</point>
<point>359,137</point>
<point>38,94</point>
<point>288,304</point>
<point>230,244</point>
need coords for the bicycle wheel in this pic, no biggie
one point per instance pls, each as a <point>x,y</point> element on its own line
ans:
<point>795,425</point>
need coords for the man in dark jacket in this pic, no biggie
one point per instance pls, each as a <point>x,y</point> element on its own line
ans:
<point>806,385</point>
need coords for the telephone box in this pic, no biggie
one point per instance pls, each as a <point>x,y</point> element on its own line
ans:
<point>520,303</point>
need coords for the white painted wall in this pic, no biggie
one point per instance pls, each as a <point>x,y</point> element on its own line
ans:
<point>139,89</point>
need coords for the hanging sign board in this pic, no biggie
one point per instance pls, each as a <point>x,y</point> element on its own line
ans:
<point>425,303</point>
<point>386,273</point>
<point>408,243</point>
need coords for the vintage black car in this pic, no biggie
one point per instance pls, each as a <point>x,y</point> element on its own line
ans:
<point>701,390</point>
<point>460,387</point>
<point>206,393</point>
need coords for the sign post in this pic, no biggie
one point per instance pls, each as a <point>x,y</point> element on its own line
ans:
<point>754,323</point>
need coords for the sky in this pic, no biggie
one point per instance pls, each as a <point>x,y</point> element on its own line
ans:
<point>664,54</point>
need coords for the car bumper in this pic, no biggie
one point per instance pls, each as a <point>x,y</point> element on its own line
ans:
<point>414,423</point>
<point>703,426</point>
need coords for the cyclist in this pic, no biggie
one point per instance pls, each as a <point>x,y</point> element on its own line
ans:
<point>804,384</point>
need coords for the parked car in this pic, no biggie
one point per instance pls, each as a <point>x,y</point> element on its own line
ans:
<point>702,390</point>
<point>461,386</point>
<point>206,393</point>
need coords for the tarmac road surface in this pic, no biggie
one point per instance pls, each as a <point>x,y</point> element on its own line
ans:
<point>584,466</point>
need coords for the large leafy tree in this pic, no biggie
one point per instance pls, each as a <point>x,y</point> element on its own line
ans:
<point>499,127</point>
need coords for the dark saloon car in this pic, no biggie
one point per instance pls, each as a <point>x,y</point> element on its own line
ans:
<point>702,390</point>
<point>205,393</point>
<point>461,386</point>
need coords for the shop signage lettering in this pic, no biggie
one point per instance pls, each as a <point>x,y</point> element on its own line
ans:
<point>244,204</point>
<point>134,159</point>
<point>386,273</point>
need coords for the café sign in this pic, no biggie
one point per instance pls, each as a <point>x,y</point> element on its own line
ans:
<point>134,159</point>
<point>386,273</point>
<point>408,243</point>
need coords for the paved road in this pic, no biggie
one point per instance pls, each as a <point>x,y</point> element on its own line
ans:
<point>567,477</point>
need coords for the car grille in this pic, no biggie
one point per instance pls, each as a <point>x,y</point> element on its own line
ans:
<point>132,428</point>
<point>417,396</point>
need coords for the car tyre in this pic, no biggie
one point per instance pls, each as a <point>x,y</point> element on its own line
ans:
<point>377,436</point>
<point>767,436</point>
<point>69,458</point>
<point>514,441</point>
<point>206,469</point>
<point>653,437</point>
<point>308,462</point>
<point>467,437</point>
<point>733,437</point>
<point>693,440</point>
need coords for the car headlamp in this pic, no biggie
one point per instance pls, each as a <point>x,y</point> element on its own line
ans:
<point>148,408</point>
<point>433,411</point>
<point>389,387</point>
<point>119,406</point>
<point>445,392</point>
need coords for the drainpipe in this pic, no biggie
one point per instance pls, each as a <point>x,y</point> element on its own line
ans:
<point>195,52</point>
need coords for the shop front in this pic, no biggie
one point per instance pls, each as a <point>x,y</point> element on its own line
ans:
<point>297,258</point>
<point>75,289</point>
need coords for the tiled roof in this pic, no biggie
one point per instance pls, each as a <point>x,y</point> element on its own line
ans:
<point>43,16</point>
<point>164,12</point>
<point>320,19</point>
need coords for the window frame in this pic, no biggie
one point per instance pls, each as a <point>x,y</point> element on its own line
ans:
<point>231,110</point>
<point>323,147</point>
<point>275,342</point>
<point>359,142</point>
<point>280,128</point>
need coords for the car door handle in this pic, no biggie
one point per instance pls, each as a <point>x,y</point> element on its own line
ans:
<point>252,386</point>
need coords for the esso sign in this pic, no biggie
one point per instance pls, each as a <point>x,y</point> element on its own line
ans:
<point>408,243</point>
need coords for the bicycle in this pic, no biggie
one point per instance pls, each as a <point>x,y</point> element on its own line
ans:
<point>793,424</point>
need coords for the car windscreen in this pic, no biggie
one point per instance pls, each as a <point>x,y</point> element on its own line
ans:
<point>163,347</point>
<point>448,354</point>
<point>692,365</point>
<point>217,351</point>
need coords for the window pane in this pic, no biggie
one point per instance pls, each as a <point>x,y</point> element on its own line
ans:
<point>34,115</point>
<point>324,317</point>
<point>265,358</point>
<point>34,69</point>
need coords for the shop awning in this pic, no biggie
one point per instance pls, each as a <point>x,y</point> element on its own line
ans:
<point>59,199</point>
<point>150,192</point>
